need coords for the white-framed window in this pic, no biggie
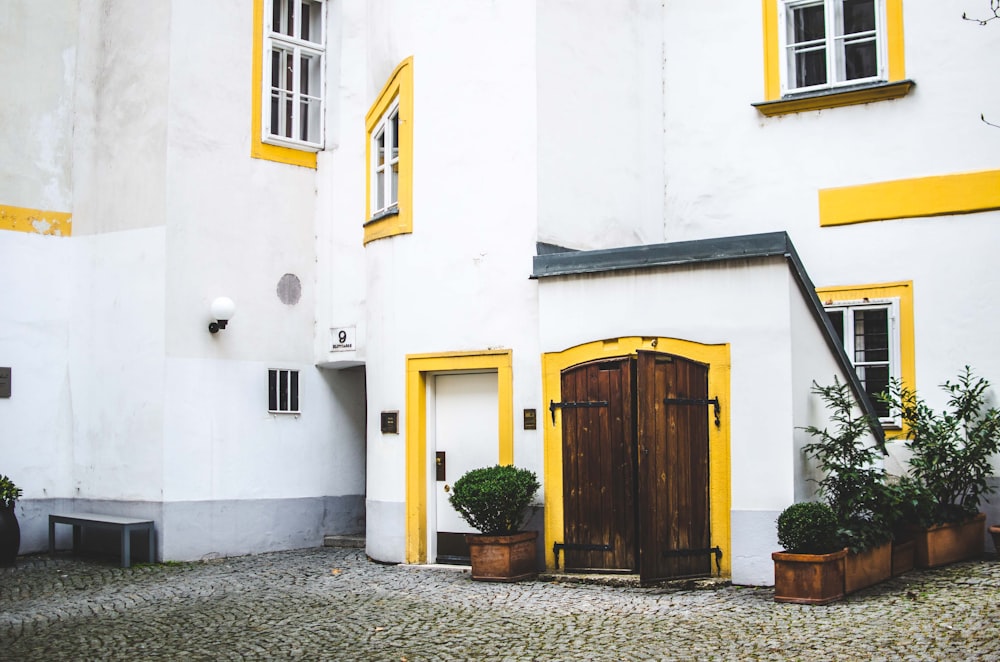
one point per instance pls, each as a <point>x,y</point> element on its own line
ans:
<point>294,46</point>
<point>869,331</point>
<point>385,162</point>
<point>831,43</point>
<point>283,391</point>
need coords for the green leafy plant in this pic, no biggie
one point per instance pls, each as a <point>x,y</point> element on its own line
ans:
<point>951,449</point>
<point>495,500</point>
<point>9,492</point>
<point>853,483</point>
<point>809,527</point>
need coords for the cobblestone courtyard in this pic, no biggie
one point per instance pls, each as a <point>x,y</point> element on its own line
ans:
<point>334,604</point>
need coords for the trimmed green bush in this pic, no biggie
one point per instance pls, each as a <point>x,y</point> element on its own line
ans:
<point>495,500</point>
<point>9,492</point>
<point>809,527</point>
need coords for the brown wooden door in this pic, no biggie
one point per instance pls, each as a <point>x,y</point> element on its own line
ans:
<point>599,466</point>
<point>672,425</point>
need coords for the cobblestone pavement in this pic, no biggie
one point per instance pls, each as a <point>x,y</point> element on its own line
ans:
<point>334,604</point>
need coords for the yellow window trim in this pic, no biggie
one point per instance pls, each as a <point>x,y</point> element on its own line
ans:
<point>772,69</point>
<point>903,291</point>
<point>258,148</point>
<point>910,198</point>
<point>418,368</point>
<point>717,358</point>
<point>399,86</point>
<point>36,221</point>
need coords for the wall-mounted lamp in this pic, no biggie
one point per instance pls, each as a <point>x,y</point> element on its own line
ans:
<point>223,310</point>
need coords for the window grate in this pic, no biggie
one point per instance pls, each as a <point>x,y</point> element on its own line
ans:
<point>283,391</point>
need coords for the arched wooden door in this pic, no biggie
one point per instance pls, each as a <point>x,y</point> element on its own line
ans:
<point>635,466</point>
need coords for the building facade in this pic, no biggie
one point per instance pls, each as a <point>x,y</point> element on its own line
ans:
<point>614,243</point>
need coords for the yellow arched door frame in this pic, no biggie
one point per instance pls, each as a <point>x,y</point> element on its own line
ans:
<point>418,368</point>
<point>717,359</point>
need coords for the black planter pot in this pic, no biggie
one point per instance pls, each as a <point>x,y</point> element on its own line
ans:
<point>10,536</point>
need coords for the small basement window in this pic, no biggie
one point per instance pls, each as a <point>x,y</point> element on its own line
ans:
<point>283,391</point>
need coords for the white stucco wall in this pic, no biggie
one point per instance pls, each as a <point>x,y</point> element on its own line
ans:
<point>600,122</point>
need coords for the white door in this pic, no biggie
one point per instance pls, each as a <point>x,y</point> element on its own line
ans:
<point>465,430</point>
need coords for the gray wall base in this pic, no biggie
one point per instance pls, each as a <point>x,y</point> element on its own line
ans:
<point>192,530</point>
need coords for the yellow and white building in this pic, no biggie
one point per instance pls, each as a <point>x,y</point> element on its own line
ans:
<point>431,215</point>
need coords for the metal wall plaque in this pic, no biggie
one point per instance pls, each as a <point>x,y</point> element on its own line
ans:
<point>5,377</point>
<point>390,422</point>
<point>439,463</point>
<point>530,419</point>
<point>343,339</point>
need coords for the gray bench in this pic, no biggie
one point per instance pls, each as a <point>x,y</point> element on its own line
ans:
<point>125,526</point>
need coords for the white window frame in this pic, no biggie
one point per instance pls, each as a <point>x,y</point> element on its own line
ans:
<point>891,305</point>
<point>389,168</point>
<point>290,401</point>
<point>298,48</point>
<point>830,43</point>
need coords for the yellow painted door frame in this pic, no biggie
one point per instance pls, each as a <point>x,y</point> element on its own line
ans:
<point>720,492</point>
<point>418,368</point>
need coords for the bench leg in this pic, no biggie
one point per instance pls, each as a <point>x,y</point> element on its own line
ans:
<point>126,546</point>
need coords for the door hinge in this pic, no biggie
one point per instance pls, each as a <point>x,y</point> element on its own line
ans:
<point>579,547</point>
<point>698,401</point>
<point>717,551</point>
<point>574,405</point>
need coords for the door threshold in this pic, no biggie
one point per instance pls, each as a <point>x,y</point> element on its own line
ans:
<point>631,580</point>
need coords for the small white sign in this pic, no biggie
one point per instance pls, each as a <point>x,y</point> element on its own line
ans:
<point>343,339</point>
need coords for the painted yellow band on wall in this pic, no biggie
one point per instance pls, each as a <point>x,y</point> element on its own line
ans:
<point>910,198</point>
<point>418,368</point>
<point>720,491</point>
<point>37,221</point>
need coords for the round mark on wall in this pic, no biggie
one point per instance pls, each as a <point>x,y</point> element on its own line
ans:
<point>289,289</point>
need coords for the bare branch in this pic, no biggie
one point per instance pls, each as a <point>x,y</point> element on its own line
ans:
<point>994,7</point>
<point>982,116</point>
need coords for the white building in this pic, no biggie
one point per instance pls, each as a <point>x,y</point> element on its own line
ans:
<point>458,217</point>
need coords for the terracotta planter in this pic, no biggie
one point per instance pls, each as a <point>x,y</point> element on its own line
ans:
<point>867,568</point>
<point>810,579</point>
<point>503,558</point>
<point>904,554</point>
<point>947,543</point>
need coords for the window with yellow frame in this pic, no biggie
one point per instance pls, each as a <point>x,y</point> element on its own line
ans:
<point>389,157</point>
<point>289,43</point>
<point>828,53</point>
<point>875,325</point>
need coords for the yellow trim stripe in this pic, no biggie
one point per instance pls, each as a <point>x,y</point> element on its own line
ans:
<point>720,490</point>
<point>36,221</point>
<point>910,198</point>
<point>258,148</point>
<point>418,368</point>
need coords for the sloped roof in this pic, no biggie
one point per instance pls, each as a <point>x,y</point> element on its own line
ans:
<point>553,261</point>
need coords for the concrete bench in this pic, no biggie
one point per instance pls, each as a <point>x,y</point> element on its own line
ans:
<point>125,526</point>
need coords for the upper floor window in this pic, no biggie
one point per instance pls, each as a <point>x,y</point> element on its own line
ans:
<point>286,112</point>
<point>385,162</point>
<point>831,42</point>
<point>294,47</point>
<point>828,53</point>
<point>389,157</point>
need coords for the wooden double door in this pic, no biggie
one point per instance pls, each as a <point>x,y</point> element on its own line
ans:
<point>635,466</point>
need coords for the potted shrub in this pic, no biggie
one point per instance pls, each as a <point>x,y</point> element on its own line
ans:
<point>854,486</point>
<point>811,569</point>
<point>497,500</point>
<point>10,531</point>
<point>950,455</point>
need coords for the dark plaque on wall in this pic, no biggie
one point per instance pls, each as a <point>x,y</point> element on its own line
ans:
<point>4,382</point>
<point>390,422</point>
